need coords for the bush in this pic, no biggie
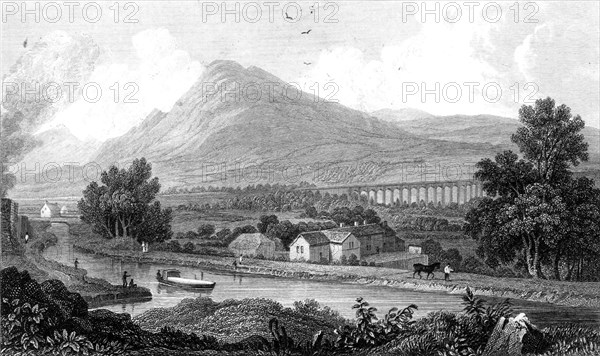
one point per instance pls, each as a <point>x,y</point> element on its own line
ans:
<point>453,258</point>
<point>189,247</point>
<point>363,263</point>
<point>324,261</point>
<point>353,260</point>
<point>260,256</point>
<point>372,264</point>
<point>206,230</point>
<point>173,246</point>
<point>344,260</point>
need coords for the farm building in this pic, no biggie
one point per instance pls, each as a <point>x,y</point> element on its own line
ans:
<point>371,237</point>
<point>342,243</point>
<point>50,210</point>
<point>64,211</point>
<point>310,246</point>
<point>253,245</point>
<point>329,245</point>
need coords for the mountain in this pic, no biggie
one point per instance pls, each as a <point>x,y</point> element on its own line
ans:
<point>272,137</point>
<point>404,114</point>
<point>59,145</point>
<point>494,130</point>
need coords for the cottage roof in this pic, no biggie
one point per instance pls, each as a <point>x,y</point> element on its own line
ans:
<point>314,238</point>
<point>336,236</point>
<point>362,230</point>
<point>250,241</point>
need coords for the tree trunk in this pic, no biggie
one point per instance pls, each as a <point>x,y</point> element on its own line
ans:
<point>116,228</point>
<point>557,264</point>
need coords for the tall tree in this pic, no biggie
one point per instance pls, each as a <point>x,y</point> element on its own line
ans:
<point>124,206</point>
<point>531,211</point>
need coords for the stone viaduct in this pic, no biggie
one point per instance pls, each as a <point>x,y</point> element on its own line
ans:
<point>438,193</point>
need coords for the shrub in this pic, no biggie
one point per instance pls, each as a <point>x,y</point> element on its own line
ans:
<point>206,230</point>
<point>189,247</point>
<point>344,260</point>
<point>324,261</point>
<point>363,263</point>
<point>372,264</point>
<point>452,256</point>
<point>353,260</point>
<point>260,256</point>
<point>173,246</point>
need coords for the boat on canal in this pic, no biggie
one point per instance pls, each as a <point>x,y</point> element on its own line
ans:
<point>172,277</point>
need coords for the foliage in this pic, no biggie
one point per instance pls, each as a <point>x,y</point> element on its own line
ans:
<point>50,325</point>
<point>540,211</point>
<point>124,205</point>
<point>436,253</point>
<point>368,331</point>
<point>206,230</point>
<point>353,260</point>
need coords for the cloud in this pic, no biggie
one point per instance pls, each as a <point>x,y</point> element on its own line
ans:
<point>440,54</point>
<point>156,78</point>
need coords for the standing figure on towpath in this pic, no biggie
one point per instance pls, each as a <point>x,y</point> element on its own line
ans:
<point>125,275</point>
<point>447,271</point>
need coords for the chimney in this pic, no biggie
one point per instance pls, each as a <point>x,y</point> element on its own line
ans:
<point>341,224</point>
<point>356,223</point>
<point>365,222</point>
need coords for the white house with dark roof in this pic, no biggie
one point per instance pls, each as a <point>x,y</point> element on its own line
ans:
<point>310,246</point>
<point>327,245</point>
<point>50,210</point>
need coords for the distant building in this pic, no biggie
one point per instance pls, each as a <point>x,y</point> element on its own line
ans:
<point>50,210</point>
<point>414,249</point>
<point>253,245</point>
<point>64,211</point>
<point>310,246</point>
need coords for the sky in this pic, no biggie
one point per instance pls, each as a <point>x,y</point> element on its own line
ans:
<point>444,58</point>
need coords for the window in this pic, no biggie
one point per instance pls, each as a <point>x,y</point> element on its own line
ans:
<point>301,249</point>
<point>297,249</point>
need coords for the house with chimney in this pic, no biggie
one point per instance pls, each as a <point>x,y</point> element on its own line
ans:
<point>332,244</point>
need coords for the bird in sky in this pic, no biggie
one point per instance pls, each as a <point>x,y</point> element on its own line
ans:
<point>25,43</point>
<point>307,63</point>
<point>305,32</point>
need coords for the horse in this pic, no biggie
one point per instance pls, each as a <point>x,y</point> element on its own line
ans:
<point>419,267</point>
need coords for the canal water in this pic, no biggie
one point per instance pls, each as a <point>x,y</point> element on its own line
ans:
<point>337,296</point>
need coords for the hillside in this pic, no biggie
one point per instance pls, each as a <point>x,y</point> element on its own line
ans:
<point>59,145</point>
<point>488,129</point>
<point>275,134</point>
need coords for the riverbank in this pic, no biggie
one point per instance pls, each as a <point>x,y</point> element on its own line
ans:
<point>96,292</point>
<point>555,292</point>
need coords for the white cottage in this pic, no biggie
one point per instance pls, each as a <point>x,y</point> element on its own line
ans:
<point>64,211</point>
<point>50,210</point>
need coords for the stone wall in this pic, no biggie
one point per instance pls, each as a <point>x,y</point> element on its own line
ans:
<point>11,228</point>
